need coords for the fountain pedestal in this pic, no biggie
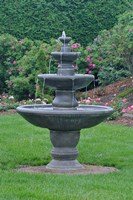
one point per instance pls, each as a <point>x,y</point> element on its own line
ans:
<point>64,150</point>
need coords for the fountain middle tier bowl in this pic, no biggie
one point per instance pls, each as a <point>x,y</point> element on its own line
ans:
<point>45,116</point>
<point>66,82</point>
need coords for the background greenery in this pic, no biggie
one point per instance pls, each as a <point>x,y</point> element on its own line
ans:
<point>46,19</point>
<point>21,60</point>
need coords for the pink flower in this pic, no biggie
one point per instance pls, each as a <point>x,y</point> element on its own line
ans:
<point>11,69</point>
<point>8,59</point>
<point>124,100</point>
<point>90,64</point>
<point>129,108</point>
<point>74,46</point>
<point>93,65</point>
<point>89,98</point>
<point>10,83</point>
<point>88,58</point>
<point>130,31</point>
<point>89,72</point>
<point>3,94</point>
<point>89,48</point>
<point>76,67</point>
<point>106,104</point>
<point>98,99</point>
<point>14,62</point>
<point>87,101</point>
<point>78,45</point>
<point>87,69</point>
<point>124,110</point>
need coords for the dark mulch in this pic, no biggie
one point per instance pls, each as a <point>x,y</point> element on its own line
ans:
<point>126,121</point>
<point>115,88</point>
<point>13,111</point>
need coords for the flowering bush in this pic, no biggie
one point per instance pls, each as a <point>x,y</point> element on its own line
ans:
<point>34,62</point>
<point>20,63</point>
<point>119,105</point>
<point>110,56</point>
<point>11,51</point>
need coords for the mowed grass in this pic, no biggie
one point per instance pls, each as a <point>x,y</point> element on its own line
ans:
<point>24,144</point>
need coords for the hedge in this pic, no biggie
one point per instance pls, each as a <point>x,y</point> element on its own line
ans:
<point>44,19</point>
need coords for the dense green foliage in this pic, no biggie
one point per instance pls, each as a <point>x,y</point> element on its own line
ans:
<point>24,144</point>
<point>45,19</point>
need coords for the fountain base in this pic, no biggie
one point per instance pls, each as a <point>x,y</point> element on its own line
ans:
<point>64,165</point>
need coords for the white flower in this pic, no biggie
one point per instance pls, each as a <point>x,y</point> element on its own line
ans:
<point>11,98</point>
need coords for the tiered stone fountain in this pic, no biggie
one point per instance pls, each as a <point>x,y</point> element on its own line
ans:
<point>64,117</point>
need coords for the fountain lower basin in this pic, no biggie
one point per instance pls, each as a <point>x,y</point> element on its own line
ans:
<point>64,125</point>
<point>45,116</point>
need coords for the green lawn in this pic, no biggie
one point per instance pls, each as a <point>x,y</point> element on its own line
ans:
<point>24,144</point>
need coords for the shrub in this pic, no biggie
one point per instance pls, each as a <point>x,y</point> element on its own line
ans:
<point>20,88</point>
<point>109,57</point>
<point>11,51</point>
<point>43,20</point>
<point>34,62</point>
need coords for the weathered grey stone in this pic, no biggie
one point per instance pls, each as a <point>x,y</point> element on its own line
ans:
<point>65,118</point>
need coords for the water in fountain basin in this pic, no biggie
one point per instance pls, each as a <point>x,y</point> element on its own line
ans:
<point>43,87</point>
<point>73,91</point>
<point>61,62</point>
<point>64,36</point>
<point>94,89</point>
<point>86,93</point>
<point>64,45</point>
<point>49,68</point>
<point>36,86</point>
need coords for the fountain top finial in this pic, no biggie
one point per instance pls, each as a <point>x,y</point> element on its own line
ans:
<point>64,39</point>
<point>63,34</point>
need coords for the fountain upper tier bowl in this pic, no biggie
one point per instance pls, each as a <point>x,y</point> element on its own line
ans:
<point>63,57</point>
<point>45,116</point>
<point>66,82</point>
